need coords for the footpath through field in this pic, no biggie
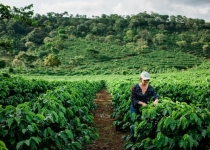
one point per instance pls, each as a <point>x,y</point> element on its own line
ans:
<point>109,139</point>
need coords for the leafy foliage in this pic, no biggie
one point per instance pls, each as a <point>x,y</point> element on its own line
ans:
<point>177,122</point>
<point>16,90</point>
<point>3,146</point>
<point>108,44</point>
<point>52,60</point>
<point>21,14</point>
<point>58,119</point>
<point>172,125</point>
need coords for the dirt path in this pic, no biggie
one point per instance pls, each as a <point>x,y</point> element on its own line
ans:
<point>109,139</point>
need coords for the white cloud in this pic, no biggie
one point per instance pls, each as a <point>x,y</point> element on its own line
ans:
<point>75,7</point>
<point>119,9</point>
<point>189,8</point>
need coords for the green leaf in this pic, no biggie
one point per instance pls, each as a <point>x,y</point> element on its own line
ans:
<point>13,140</point>
<point>2,146</point>
<point>128,146</point>
<point>4,132</point>
<point>10,121</point>
<point>160,123</point>
<point>194,118</point>
<point>208,129</point>
<point>183,122</point>
<point>159,140</point>
<point>190,141</point>
<point>48,131</point>
<point>167,122</point>
<point>45,134</point>
<point>87,138</point>
<point>18,111</point>
<point>27,142</point>
<point>187,142</point>
<point>30,128</point>
<point>70,112</point>
<point>51,132</point>
<point>165,112</point>
<point>203,133</point>
<point>173,125</point>
<point>55,116</point>
<point>61,115</point>
<point>183,143</point>
<point>173,114</point>
<point>45,101</point>
<point>19,144</point>
<point>17,118</point>
<point>40,116</point>
<point>63,136</point>
<point>77,145</point>
<point>24,131</point>
<point>29,117</point>
<point>36,139</point>
<point>69,134</point>
<point>63,109</point>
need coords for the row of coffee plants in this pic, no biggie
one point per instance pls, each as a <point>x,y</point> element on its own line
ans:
<point>57,119</point>
<point>16,90</point>
<point>181,120</point>
<point>170,126</point>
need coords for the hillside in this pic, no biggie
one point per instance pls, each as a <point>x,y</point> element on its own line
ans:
<point>61,44</point>
<point>86,57</point>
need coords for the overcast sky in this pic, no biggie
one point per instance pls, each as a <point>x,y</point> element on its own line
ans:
<point>189,8</point>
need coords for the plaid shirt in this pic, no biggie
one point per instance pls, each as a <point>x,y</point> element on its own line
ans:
<point>136,95</point>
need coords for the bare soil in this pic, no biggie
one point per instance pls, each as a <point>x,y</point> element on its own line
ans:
<point>110,138</point>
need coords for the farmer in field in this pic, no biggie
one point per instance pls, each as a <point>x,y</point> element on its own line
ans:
<point>141,93</point>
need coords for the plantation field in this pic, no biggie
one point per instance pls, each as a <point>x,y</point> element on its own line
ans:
<point>38,110</point>
<point>83,57</point>
<point>52,67</point>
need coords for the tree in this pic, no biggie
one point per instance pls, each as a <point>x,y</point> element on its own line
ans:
<point>120,24</point>
<point>145,35</point>
<point>181,44</point>
<point>52,60</point>
<point>37,36</point>
<point>141,45</point>
<point>25,58</point>
<point>90,37</point>
<point>20,14</point>
<point>6,44</point>
<point>160,38</point>
<point>98,28</point>
<point>29,45</point>
<point>206,49</point>
<point>110,38</point>
<point>129,35</point>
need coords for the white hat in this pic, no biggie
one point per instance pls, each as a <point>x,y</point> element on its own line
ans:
<point>145,75</point>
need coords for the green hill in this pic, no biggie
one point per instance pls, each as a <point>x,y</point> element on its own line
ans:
<point>85,57</point>
<point>110,44</point>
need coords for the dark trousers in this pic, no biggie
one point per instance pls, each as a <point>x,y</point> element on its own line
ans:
<point>137,112</point>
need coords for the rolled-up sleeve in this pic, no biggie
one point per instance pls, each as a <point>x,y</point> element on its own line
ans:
<point>134,98</point>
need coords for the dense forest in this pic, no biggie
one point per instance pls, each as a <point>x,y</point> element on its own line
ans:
<point>34,40</point>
